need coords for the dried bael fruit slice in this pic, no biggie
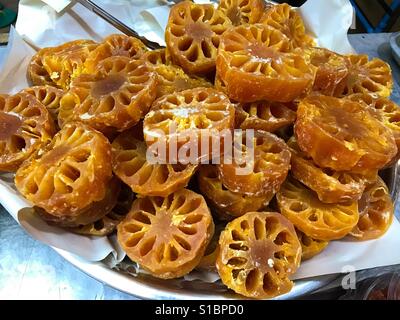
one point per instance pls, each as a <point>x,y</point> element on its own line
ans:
<point>209,259</point>
<point>310,247</point>
<point>132,167</point>
<point>340,134</point>
<point>287,20</point>
<point>193,34</point>
<point>259,166</point>
<point>267,116</point>
<point>115,45</point>
<point>25,126</point>
<point>68,174</point>
<point>167,236</point>
<point>37,73</point>
<point>258,253</point>
<point>366,76</point>
<point>227,205</point>
<point>330,186</point>
<point>255,63</point>
<point>49,96</point>
<point>116,96</point>
<point>242,11</point>
<point>376,212</point>
<point>316,219</point>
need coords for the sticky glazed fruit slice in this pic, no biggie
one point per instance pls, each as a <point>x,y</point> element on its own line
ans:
<point>115,45</point>
<point>255,63</point>
<point>310,247</point>
<point>227,205</point>
<point>259,166</point>
<point>283,18</point>
<point>340,134</point>
<point>167,236</point>
<point>193,34</point>
<point>258,253</point>
<point>330,186</point>
<point>132,167</point>
<point>316,219</point>
<point>37,73</point>
<point>116,96</point>
<point>376,212</point>
<point>366,76</point>
<point>242,11</point>
<point>263,115</point>
<point>332,69</point>
<point>68,174</point>
<point>26,126</point>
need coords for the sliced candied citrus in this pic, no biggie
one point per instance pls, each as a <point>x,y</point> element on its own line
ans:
<point>68,174</point>
<point>258,253</point>
<point>376,212</point>
<point>331,186</point>
<point>366,76</point>
<point>287,20</point>
<point>255,63</point>
<point>259,165</point>
<point>322,221</point>
<point>209,259</point>
<point>242,11</point>
<point>26,126</point>
<point>65,62</point>
<point>332,69</point>
<point>340,134</point>
<point>227,205</point>
<point>310,247</point>
<point>49,96</point>
<point>263,115</point>
<point>193,34</point>
<point>146,178</point>
<point>116,96</point>
<point>115,45</point>
<point>37,73</point>
<point>167,236</point>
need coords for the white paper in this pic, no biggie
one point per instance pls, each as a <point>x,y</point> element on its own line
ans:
<point>42,25</point>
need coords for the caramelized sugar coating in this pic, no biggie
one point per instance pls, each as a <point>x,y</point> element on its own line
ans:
<point>316,219</point>
<point>287,20</point>
<point>26,126</point>
<point>116,96</point>
<point>167,236</point>
<point>261,167</point>
<point>228,205</point>
<point>171,78</point>
<point>263,115</point>
<point>49,96</point>
<point>146,178</point>
<point>330,186</point>
<point>258,253</point>
<point>340,134</point>
<point>193,34</point>
<point>255,63</point>
<point>376,212</point>
<point>115,45</point>
<point>37,73</point>
<point>242,11</point>
<point>366,76</point>
<point>332,69</point>
<point>207,263</point>
<point>66,62</point>
<point>68,174</point>
<point>310,247</point>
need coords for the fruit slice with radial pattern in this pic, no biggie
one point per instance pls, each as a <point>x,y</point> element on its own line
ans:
<point>167,236</point>
<point>26,126</point>
<point>242,11</point>
<point>316,219</point>
<point>152,179</point>
<point>376,212</point>
<point>255,63</point>
<point>193,35</point>
<point>340,134</point>
<point>37,73</point>
<point>258,253</point>
<point>208,262</point>
<point>310,247</point>
<point>68,174</point>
